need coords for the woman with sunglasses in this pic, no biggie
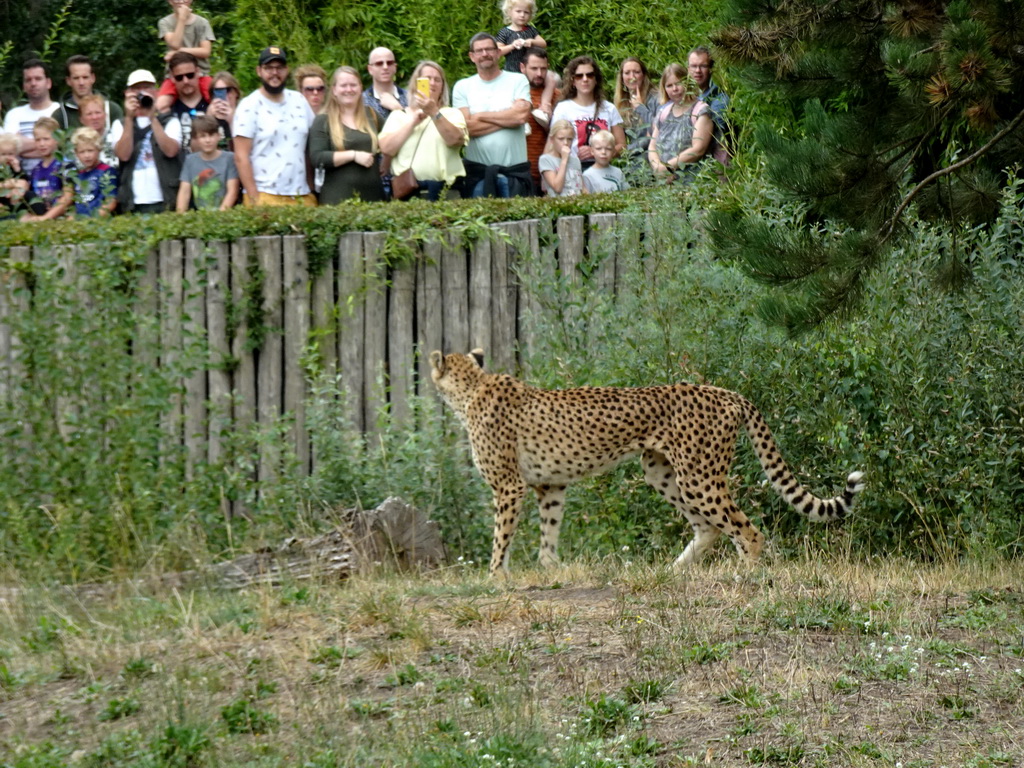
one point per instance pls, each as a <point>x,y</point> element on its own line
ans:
<point>586,109</point>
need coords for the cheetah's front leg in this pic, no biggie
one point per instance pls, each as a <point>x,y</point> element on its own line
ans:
<point>508,503</point>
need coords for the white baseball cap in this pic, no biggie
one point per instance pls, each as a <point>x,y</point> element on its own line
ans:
<point>140,76</point>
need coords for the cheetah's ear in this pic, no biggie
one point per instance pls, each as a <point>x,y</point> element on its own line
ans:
<point>478,355</point>
<point>437,361</point>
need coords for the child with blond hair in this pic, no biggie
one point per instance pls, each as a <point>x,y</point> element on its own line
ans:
<point>48,196</point>
<point>561,174</point>
<point>95,182</point>
<point>602,176</point>
<point>515,39</point>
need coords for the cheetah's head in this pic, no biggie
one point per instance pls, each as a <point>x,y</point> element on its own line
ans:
<point>456,376</point>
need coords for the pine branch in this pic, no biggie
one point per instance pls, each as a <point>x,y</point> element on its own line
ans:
<point>891,226</point>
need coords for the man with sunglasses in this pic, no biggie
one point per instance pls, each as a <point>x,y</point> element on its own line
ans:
<point>497,105</point>
<point>383,96</point>
<point>191,101</point>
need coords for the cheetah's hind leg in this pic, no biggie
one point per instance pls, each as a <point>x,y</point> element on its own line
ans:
<point>661,476</point>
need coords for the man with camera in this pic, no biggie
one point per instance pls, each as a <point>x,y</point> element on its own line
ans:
<point>149,150</point>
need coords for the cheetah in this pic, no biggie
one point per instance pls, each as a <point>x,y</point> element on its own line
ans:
<point>685,435</point>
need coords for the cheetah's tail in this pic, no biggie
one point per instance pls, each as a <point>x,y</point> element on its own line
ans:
<point>784,482</point>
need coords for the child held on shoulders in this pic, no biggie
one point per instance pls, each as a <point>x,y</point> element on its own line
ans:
<point>183,30</point>
<point>13,181</point>
<point>561,174</point>
<point>209,178</point>
<point>48,196</point>
<point>516,38</point>
<point>95,183</point>
<point>602,176</point>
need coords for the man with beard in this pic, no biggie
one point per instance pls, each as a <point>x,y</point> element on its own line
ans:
<point>271,126</point>
<point>535,66</point>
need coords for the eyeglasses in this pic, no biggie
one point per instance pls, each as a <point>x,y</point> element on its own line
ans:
<point>388,63</point>
<point>184,76</point>
<point>492,49</point>
<point>275,67</point>
<point>314,88</point>
<point>584,76</point>
<point>699,66</point>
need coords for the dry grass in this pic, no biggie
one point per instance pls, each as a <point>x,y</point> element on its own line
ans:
<point>824,662</point>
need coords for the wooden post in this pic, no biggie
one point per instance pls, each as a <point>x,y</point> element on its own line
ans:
<point>351,321</point>
<point>537,274</point>
<point>429,316</point>
<point>194,336</point>
<point>171,285</point>
<point>455,296</point>
<point>601,251</point>
<point>296,334</point>
<point>481,292</point>
<point>218,284</point>
<point>324,327</point>
<point>375,353</point>
<point>402,342</point>
<point>629,258</point>
<point>324,332</point>
<point>270,356</point>
<point>14,301</point>
<point>242,254</point>
<point>570,247</point>
<point>505,296</point>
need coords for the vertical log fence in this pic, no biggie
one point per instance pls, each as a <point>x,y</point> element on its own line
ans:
<point>369,323</point>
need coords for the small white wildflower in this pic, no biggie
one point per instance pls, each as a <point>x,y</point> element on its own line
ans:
<point>626,548</point>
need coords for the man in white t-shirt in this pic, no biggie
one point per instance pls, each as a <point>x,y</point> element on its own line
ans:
<point>270,127</point>
<point>149,149</point>
<point>36,84</point>
<point>496,105</point>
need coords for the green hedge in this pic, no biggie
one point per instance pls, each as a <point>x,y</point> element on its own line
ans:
<point>405,223</point>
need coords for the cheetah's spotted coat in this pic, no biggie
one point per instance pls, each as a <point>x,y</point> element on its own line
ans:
<point>685,434</point>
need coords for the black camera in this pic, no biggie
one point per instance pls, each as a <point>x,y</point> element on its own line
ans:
<point>145,100</point>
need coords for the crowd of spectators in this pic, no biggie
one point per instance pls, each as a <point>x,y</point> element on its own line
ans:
<point>191,140</point>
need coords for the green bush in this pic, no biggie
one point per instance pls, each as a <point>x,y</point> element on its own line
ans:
<point>921,389</point>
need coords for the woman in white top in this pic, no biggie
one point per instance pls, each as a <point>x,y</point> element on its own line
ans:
<point>428,135</point>
<point>586,109</point>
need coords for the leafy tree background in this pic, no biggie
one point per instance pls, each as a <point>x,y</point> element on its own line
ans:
<point>892,101</point>
<point>121,35</point>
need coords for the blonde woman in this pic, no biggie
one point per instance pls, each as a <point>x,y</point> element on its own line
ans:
<point>428,135</point>
<point>343,141</point>
<point>681,135</point>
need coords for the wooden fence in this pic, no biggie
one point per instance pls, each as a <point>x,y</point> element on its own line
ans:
<point>367,321</point>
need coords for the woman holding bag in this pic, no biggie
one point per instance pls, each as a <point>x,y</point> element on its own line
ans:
<point>425,138</point>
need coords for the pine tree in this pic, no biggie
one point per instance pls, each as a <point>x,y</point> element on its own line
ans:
<point>912,103</point>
